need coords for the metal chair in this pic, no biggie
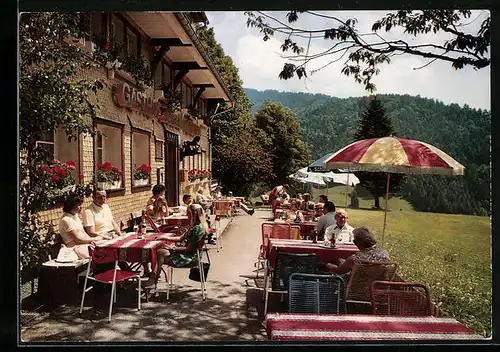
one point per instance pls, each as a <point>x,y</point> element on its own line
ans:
<point>285,265</point>
<point>309,293</point>
<point>362,276</point>
<point>400,298</point>
<point>200,248</point>
<point>222,207</point>
<point>112,276</point>
<point>270,230</point>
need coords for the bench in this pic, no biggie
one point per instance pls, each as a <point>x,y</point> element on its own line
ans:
<point>58,282</point>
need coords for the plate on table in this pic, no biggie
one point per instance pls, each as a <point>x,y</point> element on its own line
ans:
<point>65,260</point>
<point>328,247</point>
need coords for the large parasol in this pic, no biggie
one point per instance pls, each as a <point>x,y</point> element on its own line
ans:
<point>393,155</point>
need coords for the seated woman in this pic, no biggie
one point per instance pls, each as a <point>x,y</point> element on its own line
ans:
<point>368,250</point>
<point>160,209</point>
<point>294,214</point>
<point>182,255</point>
<point>71,228</point>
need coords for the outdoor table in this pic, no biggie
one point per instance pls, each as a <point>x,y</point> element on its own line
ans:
<point>328,255</point>
<point>133,250</point>
<point>305,326</point>
<point>177,220</point>
<point>306,227</point>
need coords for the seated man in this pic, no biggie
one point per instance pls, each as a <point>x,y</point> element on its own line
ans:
<point>368,250</point>
<point>307,204</point>
<point>326,220</point>
<point>186,201</point>
<point>341,232</point>
<point>98,219</point>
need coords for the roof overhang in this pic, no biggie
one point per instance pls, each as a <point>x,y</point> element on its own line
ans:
<point>176,27</point>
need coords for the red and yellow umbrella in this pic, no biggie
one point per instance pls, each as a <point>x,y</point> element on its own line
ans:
<point>393,155</point>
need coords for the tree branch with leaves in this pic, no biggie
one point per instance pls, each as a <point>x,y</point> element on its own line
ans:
<point>365,55</point>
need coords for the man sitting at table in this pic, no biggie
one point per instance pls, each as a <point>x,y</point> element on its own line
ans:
<point>98,219</point>
<point>368,250</point>
<point>326,220</point>
<point>186,201</point>
<point>341,232</point>
<point>307,204</point>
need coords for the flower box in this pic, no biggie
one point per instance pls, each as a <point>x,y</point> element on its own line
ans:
<point>142,182</point>
<point>109,185</point>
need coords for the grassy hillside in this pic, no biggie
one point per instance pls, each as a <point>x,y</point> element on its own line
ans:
<point>449,253</point>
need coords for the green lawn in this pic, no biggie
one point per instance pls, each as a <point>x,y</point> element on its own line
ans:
<point>451,254</point>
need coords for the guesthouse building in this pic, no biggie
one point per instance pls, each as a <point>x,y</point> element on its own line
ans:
<point>137,126</point>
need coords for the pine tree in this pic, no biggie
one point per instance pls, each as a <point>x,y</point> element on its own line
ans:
<point>375,123</point>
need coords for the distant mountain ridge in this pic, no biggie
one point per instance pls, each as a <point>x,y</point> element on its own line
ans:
<point>329,123</point>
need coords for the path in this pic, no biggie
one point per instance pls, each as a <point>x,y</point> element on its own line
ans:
<point>222,316</point>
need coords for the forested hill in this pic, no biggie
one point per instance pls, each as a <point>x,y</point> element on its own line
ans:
<point>329,123</point>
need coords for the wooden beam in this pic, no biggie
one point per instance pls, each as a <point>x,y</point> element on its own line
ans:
<point>157,58</point>
<point>178,77</point>
<point>197,96</point>
<point>168,42</point>
<point>189,65</point>
<point>203,85</point>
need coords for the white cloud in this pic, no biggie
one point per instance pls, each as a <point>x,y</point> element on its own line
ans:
<point>259,62</point>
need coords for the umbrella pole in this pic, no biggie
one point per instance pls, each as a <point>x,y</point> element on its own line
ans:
<point>347,189</point>
<point>385,207</point>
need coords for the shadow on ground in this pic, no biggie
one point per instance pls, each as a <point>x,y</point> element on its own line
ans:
<point>230,312</point>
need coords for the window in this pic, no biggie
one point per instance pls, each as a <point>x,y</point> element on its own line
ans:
<point>158,78</point>
<point>195,162</point>
<point>140,150</point>
<point>117,32</point>
<point>203,160</point>
<point>132,43</point>
<point>98,24</point>
<point>166,75</point>
<point>109,146</point>
<point>189,96</point>
<point>58,147</point>
<point>159,149</point>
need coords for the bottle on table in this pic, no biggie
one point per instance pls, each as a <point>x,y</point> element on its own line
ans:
<point>315,236</point>
<point>142,229</point>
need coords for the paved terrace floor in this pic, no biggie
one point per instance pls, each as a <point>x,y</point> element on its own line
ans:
<point>228,313</point>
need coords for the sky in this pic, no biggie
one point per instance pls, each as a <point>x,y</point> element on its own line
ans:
<point>259,62</point>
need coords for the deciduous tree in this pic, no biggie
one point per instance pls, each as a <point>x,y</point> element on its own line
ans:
<point>364,52</point>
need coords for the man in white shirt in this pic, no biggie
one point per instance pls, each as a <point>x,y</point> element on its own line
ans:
<point>98,219</point>
<point>341,232</point>
<point>326,220</point>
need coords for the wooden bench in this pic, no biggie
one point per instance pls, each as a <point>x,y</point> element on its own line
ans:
<point>58,282</point>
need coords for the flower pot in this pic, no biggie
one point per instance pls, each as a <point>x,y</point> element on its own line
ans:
<point>142,182</point>
<point>109,185</point>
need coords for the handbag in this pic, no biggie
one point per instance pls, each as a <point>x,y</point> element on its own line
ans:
<point>194,273</point>
<point>66,255</point>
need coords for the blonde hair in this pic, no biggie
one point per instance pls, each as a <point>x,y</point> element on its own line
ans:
<point>197,216</point>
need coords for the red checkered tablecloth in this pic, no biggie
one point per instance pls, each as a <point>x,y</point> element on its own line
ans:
<point>133,250</point>
<point>293,326</point>
<point>328,255</point>
<point>177,220</point>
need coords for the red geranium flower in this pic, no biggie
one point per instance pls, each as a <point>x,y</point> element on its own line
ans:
<point>55,178</point>
<point>106,46</point>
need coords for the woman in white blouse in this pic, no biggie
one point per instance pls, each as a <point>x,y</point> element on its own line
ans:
<point>71,228</point>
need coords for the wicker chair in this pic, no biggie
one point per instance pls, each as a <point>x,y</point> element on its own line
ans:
<point>309,293</point>
<point>400,298</point>
<point>285,265</point>
<point>362,276</point>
